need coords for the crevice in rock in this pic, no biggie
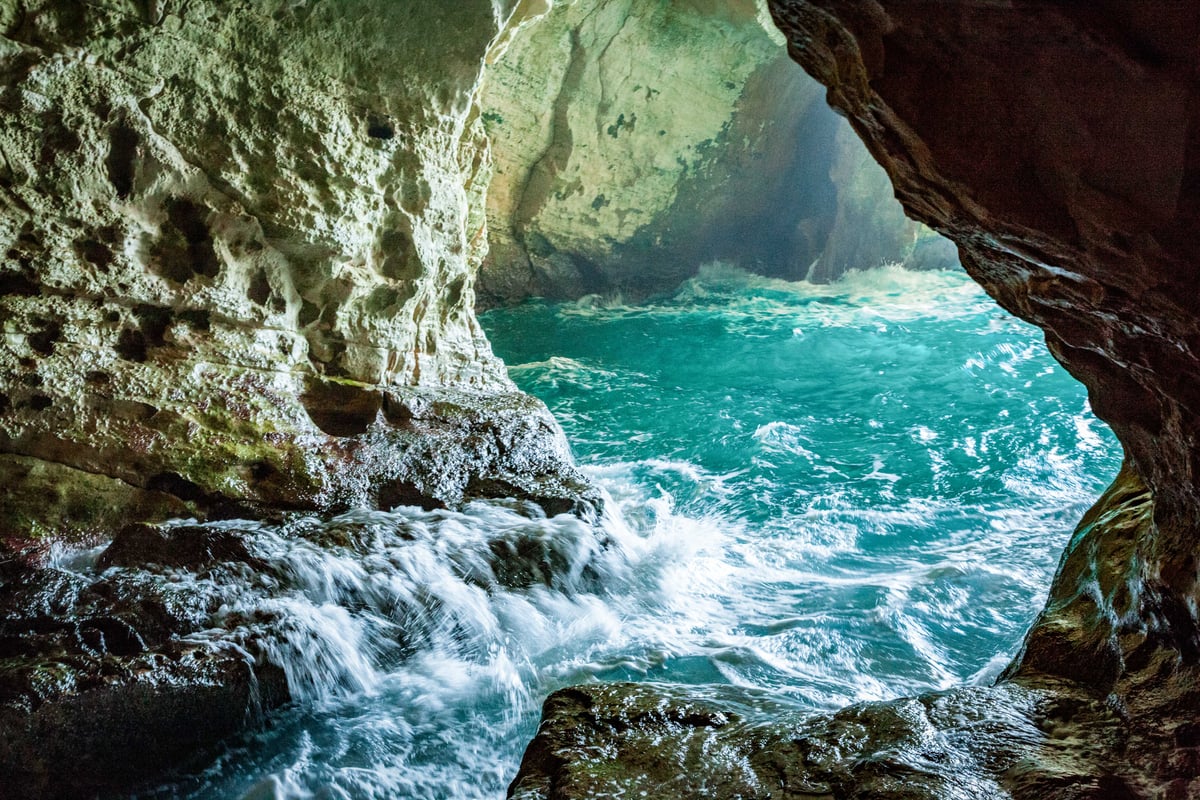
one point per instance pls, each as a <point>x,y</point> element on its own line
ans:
<point>121,162</point>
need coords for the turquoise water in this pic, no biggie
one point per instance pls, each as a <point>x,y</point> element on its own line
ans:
<point>891,464</point>
<point>834,493</point>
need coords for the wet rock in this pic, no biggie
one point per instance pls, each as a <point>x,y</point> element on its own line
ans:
<point>632,740</point>
<point>174,638</point>
<point>95,736</point>
<point>180,546</point>
<point>100,686</point>
<point>441,449</point>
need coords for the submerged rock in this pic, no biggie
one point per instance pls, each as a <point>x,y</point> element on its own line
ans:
<point>117,667</point>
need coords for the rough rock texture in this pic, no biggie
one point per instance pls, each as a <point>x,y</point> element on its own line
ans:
<point>634,141</point>
<point>231,235</point>
<point>1059,146</point>
<point>117,665</point>
<point>107,678</point>
<point>719,743</point>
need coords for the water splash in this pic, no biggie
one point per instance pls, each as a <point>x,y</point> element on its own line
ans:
<point>869,508</point>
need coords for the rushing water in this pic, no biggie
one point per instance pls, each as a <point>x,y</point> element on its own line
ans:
<point>835,493</point>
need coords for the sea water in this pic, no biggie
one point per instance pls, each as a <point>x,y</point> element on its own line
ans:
<point>833,493</point>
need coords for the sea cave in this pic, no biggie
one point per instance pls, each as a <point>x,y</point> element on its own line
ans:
<point>597,399</point>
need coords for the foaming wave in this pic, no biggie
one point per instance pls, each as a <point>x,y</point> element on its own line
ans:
<point>886,295</point>
<point>430,637</point>
<point>833,493</point>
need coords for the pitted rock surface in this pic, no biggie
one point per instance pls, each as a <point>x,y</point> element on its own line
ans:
<point>216,221</point>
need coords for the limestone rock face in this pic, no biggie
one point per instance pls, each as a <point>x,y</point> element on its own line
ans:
<point>634,141</point>
<point>217,220</point>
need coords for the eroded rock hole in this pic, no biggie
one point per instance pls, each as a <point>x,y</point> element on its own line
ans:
<point>131,345</point>
<point>380,128</point>
<point>185,249</point>
<point>341,409</point>
<point>175,484</point>
<point>98,254</point>
<point>153,321</point>
<point>121,162</point>
<point>406,493</point>
<point>42,342</point>
<point>259,290</point>
<point>23,283</point>
<point>198,319</point>
<point>400,260</point>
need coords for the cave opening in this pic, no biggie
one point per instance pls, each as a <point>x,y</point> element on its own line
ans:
<point>283,517</point>
<point>804,383</point>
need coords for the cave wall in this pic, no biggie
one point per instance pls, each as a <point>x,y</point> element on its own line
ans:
<point>1059,146</point>
<point>240,240</point>
<point>634,141</point>
<point>237,244</point>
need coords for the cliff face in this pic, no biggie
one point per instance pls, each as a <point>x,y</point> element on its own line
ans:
<point>238,249</point>
<point>634,141</point>
<point>240,241</point>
